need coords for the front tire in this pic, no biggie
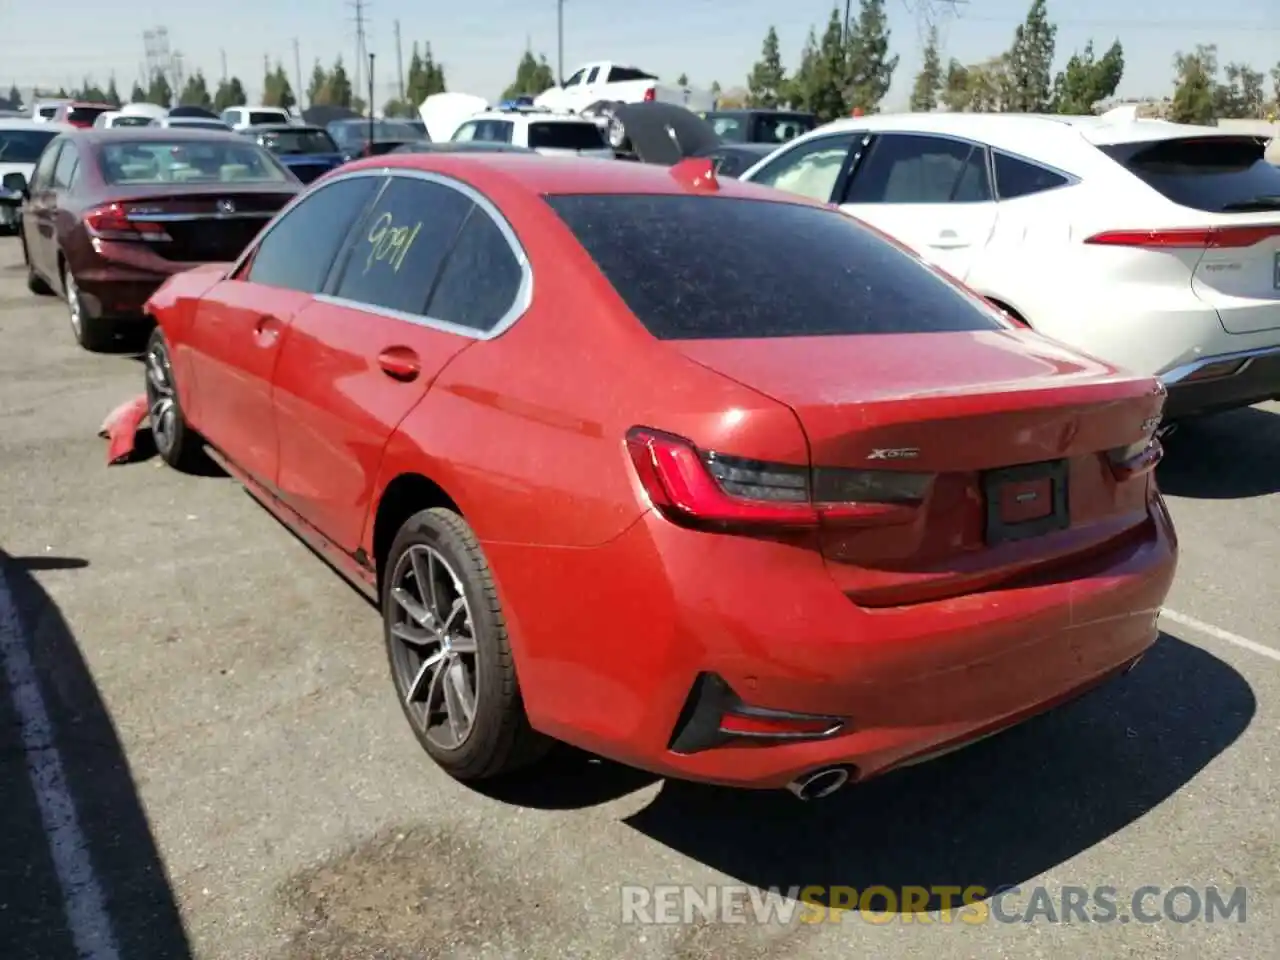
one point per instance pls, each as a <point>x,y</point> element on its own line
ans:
<point>35,283</point>
<point>449,652</point>
<point>177,444</point>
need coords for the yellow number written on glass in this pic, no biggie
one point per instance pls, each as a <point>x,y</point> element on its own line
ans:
<point>388,243</point>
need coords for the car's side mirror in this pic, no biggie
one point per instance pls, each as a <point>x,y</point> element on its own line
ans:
<point>17,183</point>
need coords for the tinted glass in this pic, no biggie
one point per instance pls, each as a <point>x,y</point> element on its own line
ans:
<point>301,141</point>
<point>1221,174</point>
<point>780,128</point>
<point>732,129</point>
<point>566,136</point>
<point>42,176</point>
<point>188,161</point>
<point>23,146</point>
<point>297,252</point>
<point>778,270</point>
<point>1018,178</point>
<point>402,242</point>
<point>904,168</point>
<point>64,173</point>
<point>622,74</point>
<point>810,169</point>
<point>130,120</point>
<point>267,116</point>
<point>481,278</point>
<point>85,115</point>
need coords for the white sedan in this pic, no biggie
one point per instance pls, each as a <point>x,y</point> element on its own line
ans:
<point>1151,245</point>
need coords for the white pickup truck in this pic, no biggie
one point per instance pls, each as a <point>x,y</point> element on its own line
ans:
<point>603,80</point>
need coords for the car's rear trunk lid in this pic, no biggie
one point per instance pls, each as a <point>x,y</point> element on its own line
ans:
<point>962,408</point>
<point>205,225</point>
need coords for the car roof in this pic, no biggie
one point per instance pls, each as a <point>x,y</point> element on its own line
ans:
<point>26,123</point>
<point>538,174</point>
<point>284,127</point>
<point>1023,132</point>
<point>96,135</point>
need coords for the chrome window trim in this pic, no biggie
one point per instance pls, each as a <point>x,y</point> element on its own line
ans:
<point>519,304</point>
<point>183,217</point>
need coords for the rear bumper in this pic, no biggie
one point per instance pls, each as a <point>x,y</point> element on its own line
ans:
<point>1223,382</point>
<point>618,671</point>
<point>118,278</point>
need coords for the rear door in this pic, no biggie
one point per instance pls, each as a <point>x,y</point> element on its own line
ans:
<point>1230,200</point>
<point>230,351</point>
<point>932,193</point>
<point>37,217</point>
<point>358,359</point>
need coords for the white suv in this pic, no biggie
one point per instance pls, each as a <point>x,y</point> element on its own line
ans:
<point>1151,245</point>
<point>549,133</point>
<point>241,118</point>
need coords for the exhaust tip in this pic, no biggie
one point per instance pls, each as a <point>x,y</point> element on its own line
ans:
<point>819,783</point>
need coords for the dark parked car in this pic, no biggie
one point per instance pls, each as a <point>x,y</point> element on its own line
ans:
<point>308,152</point>
<point>78,113</point>
<point>110,214</point>
<point>735,159</point>
<point>774,127</point>
<point>362,138</point>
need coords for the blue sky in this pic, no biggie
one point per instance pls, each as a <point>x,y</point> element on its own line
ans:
<point>480,41</point>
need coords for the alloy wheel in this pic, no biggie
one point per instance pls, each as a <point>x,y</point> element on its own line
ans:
<point>434,660</point>
<point>161,401</point>
<point>73,302</point>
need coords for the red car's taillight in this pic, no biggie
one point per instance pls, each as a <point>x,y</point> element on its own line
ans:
<point>650,95</point>
<point>706,488</point>
<point>111,222</point>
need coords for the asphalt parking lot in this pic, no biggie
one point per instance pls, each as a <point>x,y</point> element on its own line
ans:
<point>215,704</point>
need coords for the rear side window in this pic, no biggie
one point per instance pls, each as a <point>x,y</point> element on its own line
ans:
<point>694,268</point>
<point>624,74</point>
<point>85,115</point>
<point>1021,178</point>
<point>399,248</point>
<point>480,280</point>
<point>1218,174</point>
<point>267,116</point>
<point>565,136</point>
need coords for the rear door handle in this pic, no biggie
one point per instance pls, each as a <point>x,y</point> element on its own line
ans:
<point>400,363</point>
<point>948,240</point>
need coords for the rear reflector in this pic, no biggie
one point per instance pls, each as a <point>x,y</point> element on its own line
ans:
<point>650,95</point>
<point>1194,238</point>
<point>706,488</point>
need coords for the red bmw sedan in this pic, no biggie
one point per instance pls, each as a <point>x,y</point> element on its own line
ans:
<point>702,477</point>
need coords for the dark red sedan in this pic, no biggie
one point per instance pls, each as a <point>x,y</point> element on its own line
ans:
<point>110,214</point>
<point>703,477</point>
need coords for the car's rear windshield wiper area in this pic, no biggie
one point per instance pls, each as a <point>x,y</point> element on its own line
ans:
<point>1253,204</point>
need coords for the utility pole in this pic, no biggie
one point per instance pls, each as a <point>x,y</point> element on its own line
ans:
<point>560,40</point>
<point>361,8</point>
<point>297,73</point>
<point>399,65</point>
<point>371,104</point>
<point>223,54</point>
<point>848,10</point>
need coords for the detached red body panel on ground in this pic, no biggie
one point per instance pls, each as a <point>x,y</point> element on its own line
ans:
<point>121,429</point>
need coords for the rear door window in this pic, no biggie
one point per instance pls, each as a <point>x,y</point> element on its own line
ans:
<point>64,174</point>
<point>1218,174</point>
<point>398,250</point>
<point>267,116</point>
<point>778,270</point>
<point>565,136</point>
<point>1022,178</point>
<point>909,168</point>
<point>298,250</point>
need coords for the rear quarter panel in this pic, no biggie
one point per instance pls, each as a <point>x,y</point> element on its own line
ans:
<point>173,307</point>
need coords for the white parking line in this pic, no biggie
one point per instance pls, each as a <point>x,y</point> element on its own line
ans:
<point>1208,629</point>
<point>82,899</point>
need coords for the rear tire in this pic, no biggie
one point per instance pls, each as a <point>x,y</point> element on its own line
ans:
<point>449,653</point>
<point>93,333</point>
<point>177,444</point>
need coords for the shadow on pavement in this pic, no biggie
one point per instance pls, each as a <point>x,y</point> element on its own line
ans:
<point>999,813</point>
<point>1230,456</point>
<point>139,902</point>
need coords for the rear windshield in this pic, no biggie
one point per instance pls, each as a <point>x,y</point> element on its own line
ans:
<point>47,112</point>
<point>130,120</point>
<point>188,161</point>
<point>267,116</point>
<point>299,141</point>
<point>695,268</point>
<point>1219,174</point>
<point>565,136</point>
<point>85,114</point>
<point>23,146</point>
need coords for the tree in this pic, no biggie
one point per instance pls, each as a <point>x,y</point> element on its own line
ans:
<point>426,77</point>
<point>276,89</point>
<point>1087,80</point>
<point>682,80</point>
<point>798,90</point>
<point>137,94</point>
<point>317,86</point>
<point>113,94</point>
<point>338,90</point>
<point>978,87</point>
<point>929,81</point>
<point>827,98</point>
<point>868,64</point>
<point>767,81</point>
<point>15,98</point>
<point>89,91</point>
<point>160,93</point>
<point>1195,98</point>
<point>715,88</point>
<point>1243,95</point>
<point>1029,62</point>
<point>1275,85</point>
<point>230,93</point>
<point>195,92</point>
<point>532,77</point>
